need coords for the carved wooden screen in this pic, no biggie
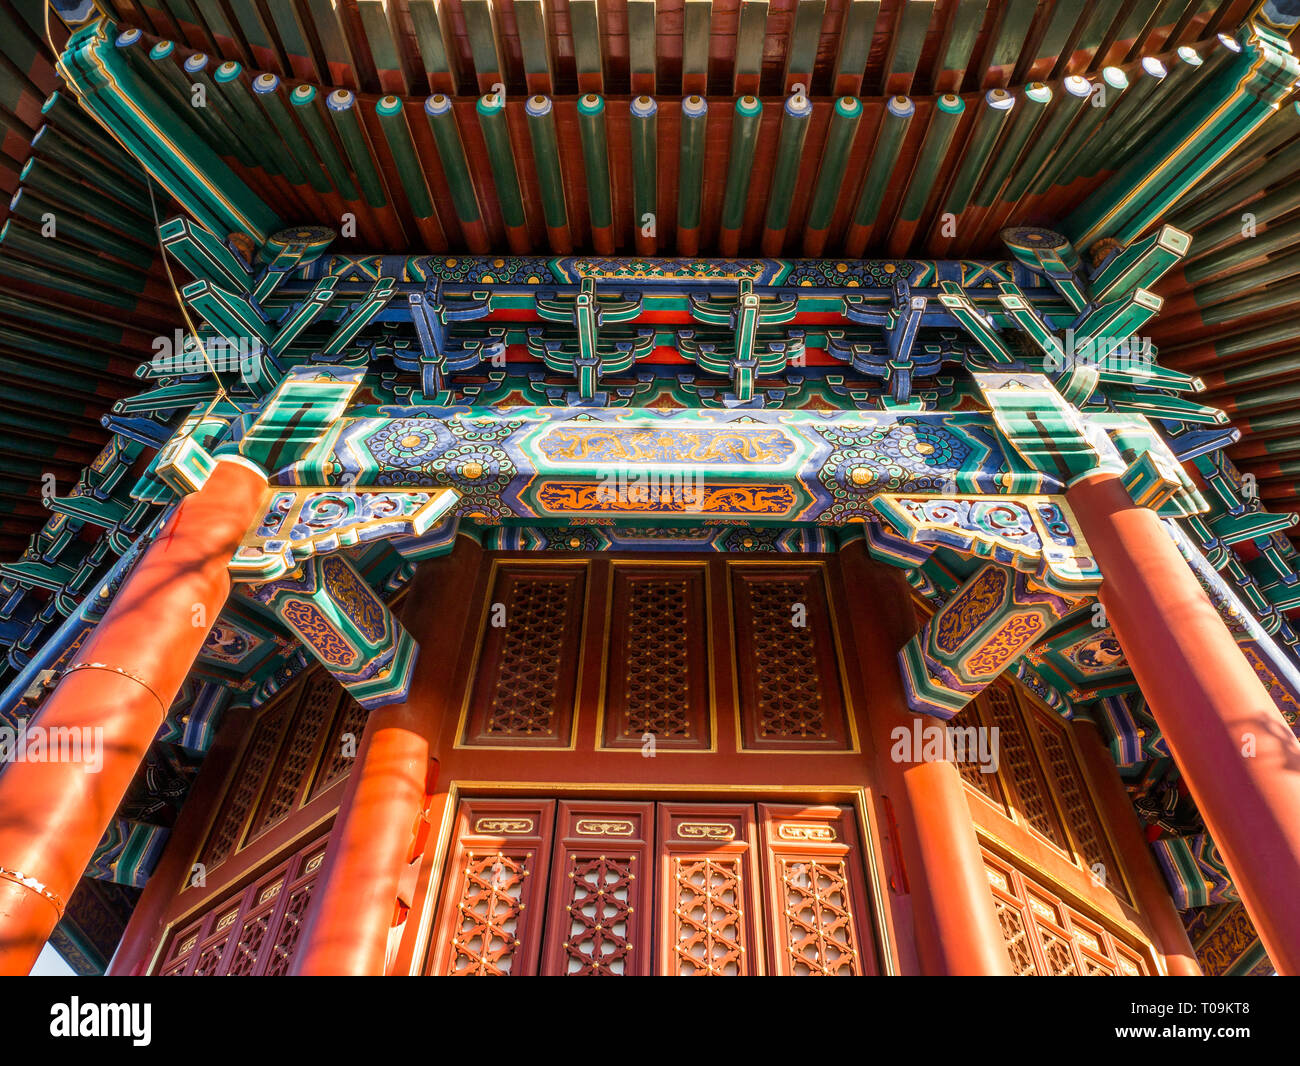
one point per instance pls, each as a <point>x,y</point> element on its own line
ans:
<point>1047,937</point>
<point>496,889</point>
<point>708,890</point>
<point>626,889</point>
<point>528,667</point>
<point>790,692</point>
<point>815,892</point>
<point>254,932</point>
<point>658,657</point>
<point>301,744</point>
<point>1040,781</point>
<point>600,914</point>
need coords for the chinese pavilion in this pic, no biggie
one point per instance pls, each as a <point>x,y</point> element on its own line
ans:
<point>632,487</point>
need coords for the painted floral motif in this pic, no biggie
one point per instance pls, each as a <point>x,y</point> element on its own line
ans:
<point>907,456</point>
<point>464,454</point>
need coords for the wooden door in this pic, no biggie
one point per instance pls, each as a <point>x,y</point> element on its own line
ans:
<point>603,888</point>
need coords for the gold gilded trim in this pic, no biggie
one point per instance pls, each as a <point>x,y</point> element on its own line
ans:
<point>601,828</point>
<point>706,831</point>
<point>504,826</point>
<point>787,831</point>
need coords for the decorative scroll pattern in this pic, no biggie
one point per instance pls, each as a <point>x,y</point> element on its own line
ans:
<point>1226,942</point>
<point>986,625</point>
<point>710,917</point>
<point>346,626</point>
<point>821,468</point>
<point>300,523</point>
<point>1035,804</point>
<point>1037,535</point>
<point>523,704</point>
<point>490,904</point>
<point>818,919</point>
<point>600,916</point>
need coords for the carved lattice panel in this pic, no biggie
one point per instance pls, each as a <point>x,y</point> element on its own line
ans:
<point>975,775</point>
<point>708,905</point>
<point>255,931</point>
<point>494,895</point>
<point>600,916</point>
<point>816,893</point>
<point>658,681</point>
<point>790,692</point>
<point>526,680</point>
<point>250,776</point>
<point>1031,797</point>
<point>339,754</point>
<point>1047,936</point>
<point>1076,802</point>
<point>318,700</point>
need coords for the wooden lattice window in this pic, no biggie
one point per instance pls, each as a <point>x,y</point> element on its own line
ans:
<point>281,758</point>
<point>1045,936</point>
<point>1028,795</point>
<point>658,681</point>
<point>971,772</point>
<point>317,704</point>
<point>531,641</point>
<point>1076,802</point>
<point>341,748</point>
<point>246,785</point>
<point>254,932</point>
<point>1042,782</point>
<point>791,696</point>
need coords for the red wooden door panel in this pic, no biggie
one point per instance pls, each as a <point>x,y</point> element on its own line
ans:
<point>707,916</point>
<point>820,924</point>
<point>495,892</point>
<point>600,917</point>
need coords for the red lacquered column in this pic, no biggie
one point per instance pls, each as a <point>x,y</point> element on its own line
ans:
<point>1240,759</point>
<point>122,682</point>
<point>957,930</point>
<point>377,834</point>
